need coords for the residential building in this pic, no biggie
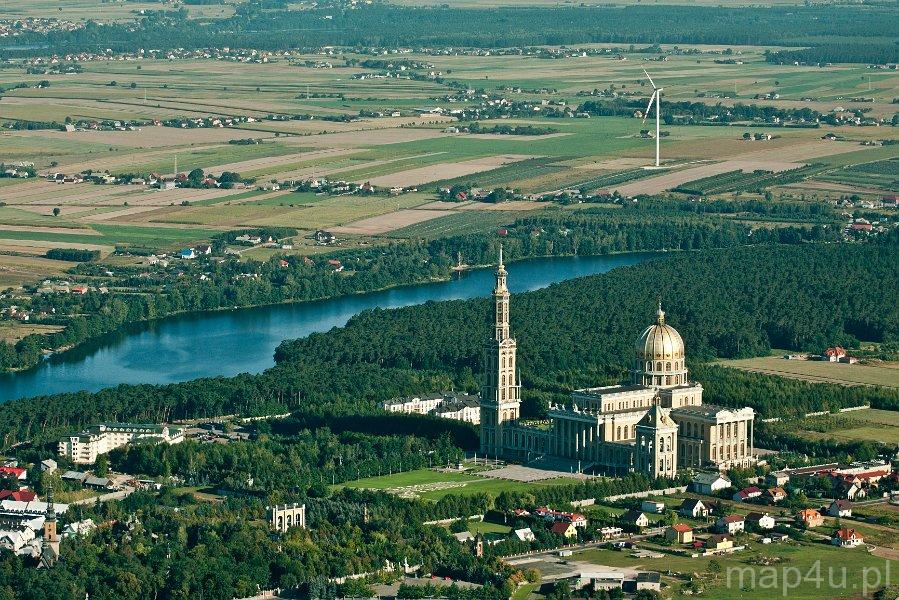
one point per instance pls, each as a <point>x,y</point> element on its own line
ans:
<point>634,518</point>
<point>449,405</point>
<point>809,518</point>
<point>775,494</point>
<point>731,524</point>
<point>840,508</point>
<point>525,535</point>
<point>745,494</point>
<point>680,532</point>
<point>85,447</point>
<point>651,506</point>
<point>719,541</point>
<point>564,529</point>
<point>709,483</point>
<point>847,538</point>
<point>760,521</point>
<point>693,508</point>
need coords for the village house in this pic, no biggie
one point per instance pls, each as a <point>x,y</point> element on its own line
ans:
<point>809,518</point>
<point>847,538</point>
<point>775,495</point>
<point>709,483</point>
<point>680,532</point>
<point>651,506</point>
<point>840,508</point>
<point>745,494</point>
<point>777,478</point>
<point>525,535</point>
<point>564,529</point>
<point>719,541</point>
<point>635,518</point>
<point>759,521</point>
<point>16,473</point>
<point>693,508</point>
<point>731,524</point>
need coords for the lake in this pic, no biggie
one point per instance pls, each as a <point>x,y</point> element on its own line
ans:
<point>243,340</point>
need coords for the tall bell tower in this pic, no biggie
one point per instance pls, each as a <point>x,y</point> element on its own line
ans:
<point>501,393</point>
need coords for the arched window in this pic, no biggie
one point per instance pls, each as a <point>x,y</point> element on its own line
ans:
<point>658,366</point>
<point>668,366</point>
<point>619,433</point>
<point>649,366</point>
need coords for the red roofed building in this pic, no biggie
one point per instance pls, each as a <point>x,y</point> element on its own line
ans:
<point>19,496</point>
<point>14,472</point>
<point>847,538</point>
<point>565,529</point>
<point>835,353</point>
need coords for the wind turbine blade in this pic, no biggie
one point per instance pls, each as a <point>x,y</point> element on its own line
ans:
<point>649,106</point>
<point>651,82</point>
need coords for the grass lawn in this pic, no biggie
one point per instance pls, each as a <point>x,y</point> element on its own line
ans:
<point>797,558</point>
<point>433,485</point>
<point>476,527</point>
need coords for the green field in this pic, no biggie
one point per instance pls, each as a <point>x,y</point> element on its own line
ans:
<point>433,485</point>
<point>866,425</point>
<point>884,374</point>
<point>803,559</point>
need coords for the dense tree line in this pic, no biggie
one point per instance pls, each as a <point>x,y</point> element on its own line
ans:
<point>687,113</point>
<point>204,284</point>
<point>729,303</point>
<point>386,25</point>
<point>849,51</point>
<point>73,254</point>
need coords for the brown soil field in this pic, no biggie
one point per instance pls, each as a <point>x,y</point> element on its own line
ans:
<point>15,270</point>
<point>440,171</point>
<point>151,137</point>
<point>389,222</point>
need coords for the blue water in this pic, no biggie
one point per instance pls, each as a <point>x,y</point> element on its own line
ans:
<point>226,343</point>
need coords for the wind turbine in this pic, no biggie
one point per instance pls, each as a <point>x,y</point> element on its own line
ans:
<point>657,96</point>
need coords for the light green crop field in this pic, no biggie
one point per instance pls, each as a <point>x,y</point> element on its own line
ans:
<point>884,374</point>
<point>433,485</point>
<point>865,425</point>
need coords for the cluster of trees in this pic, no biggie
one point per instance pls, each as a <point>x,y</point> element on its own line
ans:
<point>235,283</point>
<point>73,254</point>
<point>849,51</point>
<point>802,297</point>
<point>381,24</point>
<point>687,113</point>
<point>512,129</point>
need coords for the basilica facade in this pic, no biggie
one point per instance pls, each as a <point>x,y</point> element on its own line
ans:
<point>655,423</point>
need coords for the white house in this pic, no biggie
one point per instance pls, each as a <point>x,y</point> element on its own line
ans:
<point>840,508</point>
<point>709,483</point>
<point>693,508</point>
<point>651,506</point>
<point>731,524</point>
<point>525,535</point>
<point>760,520</point>
<point>847,538</point>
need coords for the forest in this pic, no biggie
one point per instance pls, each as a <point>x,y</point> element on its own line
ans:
<point>257,25</point>
<point>573,334</point>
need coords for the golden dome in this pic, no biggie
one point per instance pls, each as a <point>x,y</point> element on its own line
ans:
<point>659,341</point>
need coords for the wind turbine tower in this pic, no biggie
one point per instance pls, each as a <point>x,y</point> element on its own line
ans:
<point>657,97</point>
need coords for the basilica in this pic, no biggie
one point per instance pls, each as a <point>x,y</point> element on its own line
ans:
<point>655,424</point>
